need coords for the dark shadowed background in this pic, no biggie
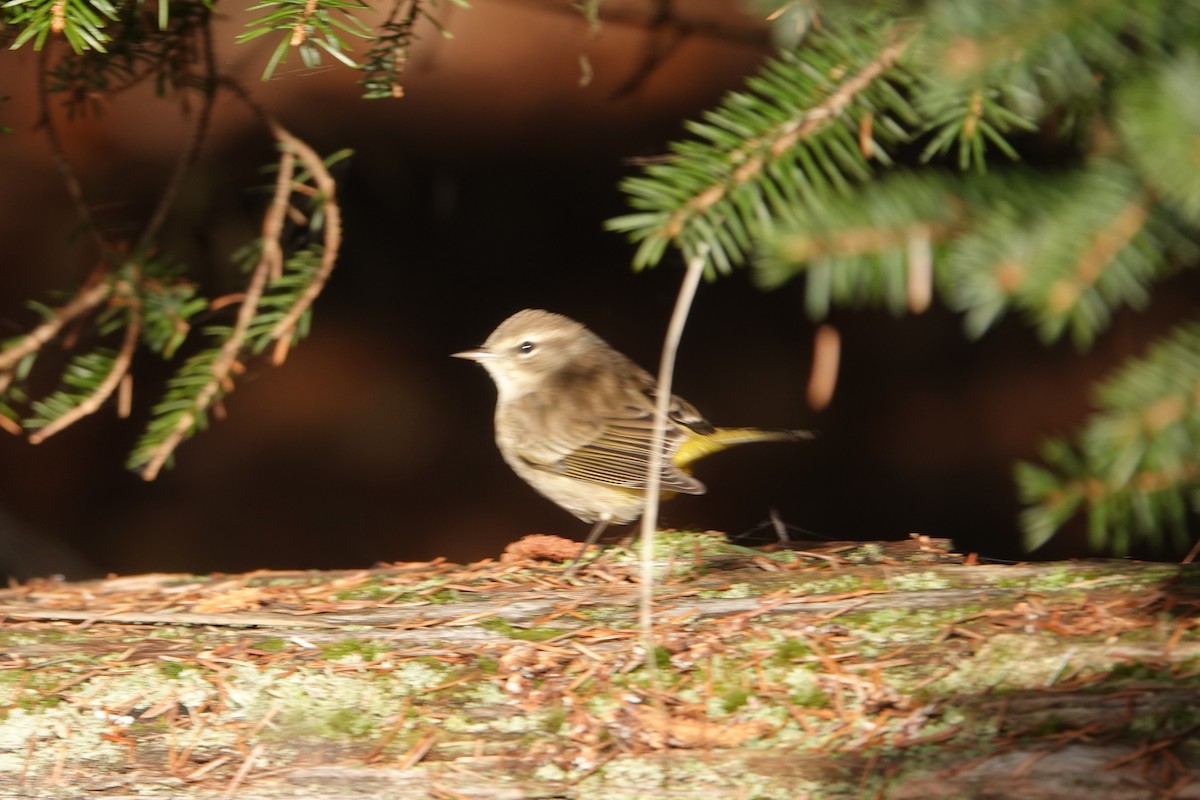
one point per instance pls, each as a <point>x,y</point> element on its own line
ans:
<point>481,192</point>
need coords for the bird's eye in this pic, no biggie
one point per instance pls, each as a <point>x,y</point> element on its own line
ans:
<point>526,347</point>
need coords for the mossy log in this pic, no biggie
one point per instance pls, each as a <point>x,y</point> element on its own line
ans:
<point>881,670</point>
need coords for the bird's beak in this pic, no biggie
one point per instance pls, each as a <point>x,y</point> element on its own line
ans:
<point>478,354</point>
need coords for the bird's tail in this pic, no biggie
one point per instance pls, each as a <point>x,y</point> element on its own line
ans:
<point>698,446</point>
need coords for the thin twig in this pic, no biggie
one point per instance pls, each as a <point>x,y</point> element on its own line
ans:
<point>666,371</point>
<point>243,771</point>
<point>1191,554</point>
<point>272,255</point>
<point>74,187</point>
<point>333,216</point>
<point>635,17</point>
<point>332,230</point>
<point>190,153</point>
<point>418,751</point>
<point>120,368</point>
<point>85,300</point>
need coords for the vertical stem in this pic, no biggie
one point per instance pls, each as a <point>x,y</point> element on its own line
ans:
<point>666,371</point>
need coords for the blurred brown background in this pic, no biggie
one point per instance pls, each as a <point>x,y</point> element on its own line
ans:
<point>481,192</point>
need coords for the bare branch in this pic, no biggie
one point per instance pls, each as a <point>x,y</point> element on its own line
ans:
<point>74,187</point>
<point>120,368</point>
<point>225,362</point>
<point>666,371</point>
<point>87,299</point>
<point>332,229</point>
<point>191,151</point>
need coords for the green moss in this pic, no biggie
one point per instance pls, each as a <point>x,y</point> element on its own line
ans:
<point>326,705</point>
<point>483,693</point>
<point>272,645</point>
<point>917,581</point>
<point>516,723</point>
<point>604,613</point>
<point>1049,726</point>
<point>791,649</point>
<point>687,553</point>
<point>885,626</point>
<point>505,628</point>
<point>1140,671</point>
<point>1158,725</point>
<point>487,665</point>
<point>326,724</point>
<point>1061,578</point>
<point>35,696</point>
<point>309,579</point>
<point>351,722</point>
<point>734,699</point>
<point>346,648</point>
<point>662,657</point>
<point>554,719</point>
<point>669,544</point>
<point>810,694</point>
<point>839,584</point>
<point>550,773</point>
<point>420,675</point>
<point>368,591</point>
<point>734,591</point>
<point>170,633</point>
<point>170,669</point>
<point>444,596</point>
<point>461,723</point>
<point>870,553</point>
<point>1177,719</point>
<point>34,689</point>
<point>40,636</point>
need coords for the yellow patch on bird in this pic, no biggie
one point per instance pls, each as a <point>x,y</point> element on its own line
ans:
<point>698,445</point>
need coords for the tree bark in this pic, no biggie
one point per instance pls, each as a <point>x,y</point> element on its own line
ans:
<point>887,669</point>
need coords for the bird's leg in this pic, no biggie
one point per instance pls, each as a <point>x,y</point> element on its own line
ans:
<point>592,537</point>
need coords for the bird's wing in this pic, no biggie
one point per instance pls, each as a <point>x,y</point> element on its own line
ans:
<point>605,436</point>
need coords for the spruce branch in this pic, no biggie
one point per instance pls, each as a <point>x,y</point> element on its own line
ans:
<point>85,300</point>
<point>968,121</point>
<point>160,441</point>
<point>1065,249</point>
<point>1046,51</point>
<point>872,245</point>
<point>331,227</point>
<point>136,58</point>
<point>94,377</point>
<point>141,301</point>
<point>309,27</point>
<point>274,306</point>
<point>1134,468</point>
<point>81,23</point>
<point>799,133</point>
<point>327,217</point>
<point>148,302</point>
<point>1157,117</point>
<point>142,49</point>
<point>1099,95</point>
<point>387,58</point>
<point>167,303</point>
<point>91,378</point>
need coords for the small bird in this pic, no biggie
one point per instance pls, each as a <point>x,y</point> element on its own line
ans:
<point>575,420</point>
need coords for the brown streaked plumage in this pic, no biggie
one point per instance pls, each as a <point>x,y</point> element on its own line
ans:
<point>574,419</point>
